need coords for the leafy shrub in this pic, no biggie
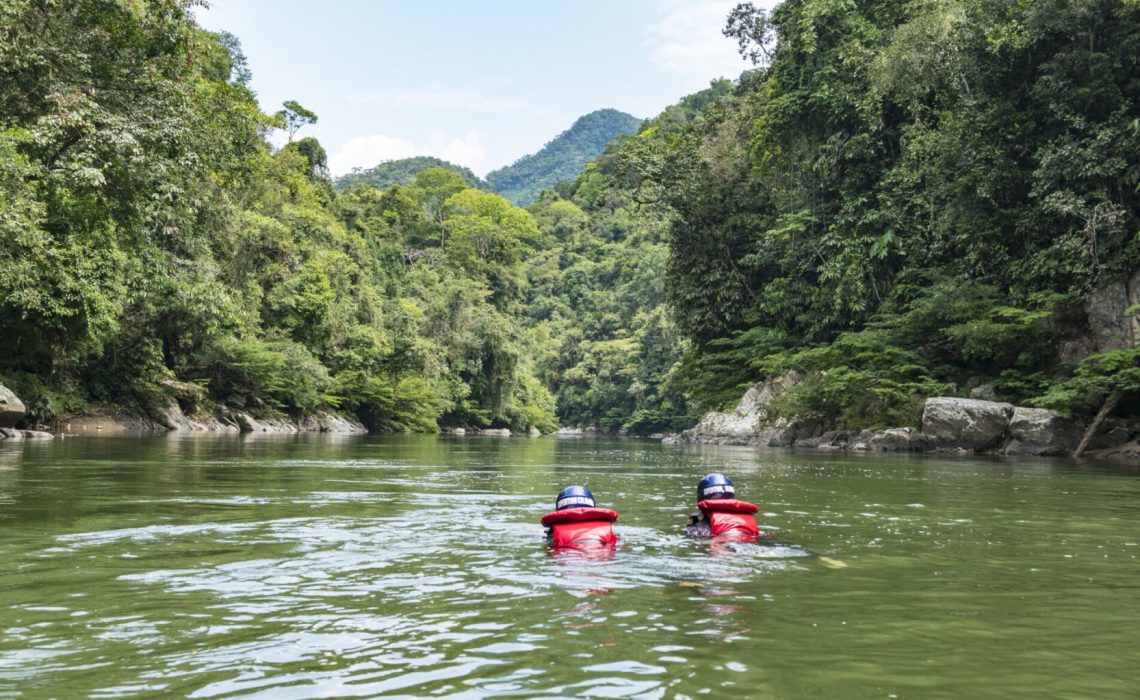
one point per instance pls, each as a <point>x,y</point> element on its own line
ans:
<point>384,403</point>
<point>44,401</point>
<point>858,381</point>
<point>277,374</point>
<point>1095,378</point>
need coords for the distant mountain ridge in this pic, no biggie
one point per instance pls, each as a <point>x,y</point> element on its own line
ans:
<point>403,171</point>
<point>563,158</point>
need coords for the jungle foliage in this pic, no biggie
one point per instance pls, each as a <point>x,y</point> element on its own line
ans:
<point>907,198</point>
<point>151,233</point>
<point>902,198</point>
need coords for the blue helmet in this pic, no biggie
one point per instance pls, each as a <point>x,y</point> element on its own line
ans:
<point>574,497</point>
<point>715,486</point>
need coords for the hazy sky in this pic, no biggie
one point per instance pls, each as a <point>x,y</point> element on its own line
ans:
<point>476,82</point>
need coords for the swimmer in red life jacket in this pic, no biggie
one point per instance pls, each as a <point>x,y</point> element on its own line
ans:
<point>720,516</point>
<point>577,523</point>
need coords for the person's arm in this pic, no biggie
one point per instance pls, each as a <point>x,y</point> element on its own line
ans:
<point>698,525</point>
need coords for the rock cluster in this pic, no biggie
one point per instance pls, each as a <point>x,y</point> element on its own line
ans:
<point>12,411</point>
<point>11,408</point>
<point>574,431</point>
<point>949,424</point>
<point>170,417</point>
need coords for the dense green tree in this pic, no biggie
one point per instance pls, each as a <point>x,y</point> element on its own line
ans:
<point>294,117</point>
<point>403,171</point>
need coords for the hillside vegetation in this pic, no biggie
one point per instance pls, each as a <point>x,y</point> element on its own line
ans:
<point>912,198</point>
<point>403,171</point>
<point>901,199</point>
<point>150,233</point>
<point>563,158</point>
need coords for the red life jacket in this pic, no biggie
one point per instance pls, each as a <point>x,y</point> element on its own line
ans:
<point>581,527</point>
<point>730,518</point>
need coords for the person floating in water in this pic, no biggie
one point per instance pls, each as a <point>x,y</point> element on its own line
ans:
<point>719,515</point>
<point>577,523</point>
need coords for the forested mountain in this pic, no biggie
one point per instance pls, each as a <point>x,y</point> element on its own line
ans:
<point>403,171</point>
<point>563,158</point>
<point>599,290</point>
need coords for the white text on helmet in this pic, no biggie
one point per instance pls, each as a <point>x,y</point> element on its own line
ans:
<point>574,501</point>
<point>718,489</point>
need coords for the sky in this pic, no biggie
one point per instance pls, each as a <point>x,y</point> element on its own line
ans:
<point>480,83</point>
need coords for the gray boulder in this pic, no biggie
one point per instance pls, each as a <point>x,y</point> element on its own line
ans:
<point>11,434</point>
<point>331,423</point>
<point>1110,326</point>
<point>969,424</point>
<point>246,423</point>
<point>189,396</point>
<point>12,409</point>
<point>751,422</point>
<point>985,392</point>
<point>898,440</point>
<point>785,432</point>
<point>1129,450</point>
<point>249,424</point>
<point>831,440</point>
<point>1039,431</point>
<point>577,431</point>
<point>1116,435</point>
<point>171,417</point>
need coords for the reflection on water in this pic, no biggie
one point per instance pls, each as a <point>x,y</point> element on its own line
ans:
<point>306,566</point>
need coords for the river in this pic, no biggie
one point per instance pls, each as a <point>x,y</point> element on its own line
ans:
<point>323,566</point>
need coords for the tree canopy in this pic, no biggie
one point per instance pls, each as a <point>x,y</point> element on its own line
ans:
<point>403,171</point>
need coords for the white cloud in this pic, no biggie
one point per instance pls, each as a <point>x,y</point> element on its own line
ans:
<point>443,98</point>
<point>466,150</point>
<point>368,151</point>
<point>686,40</point>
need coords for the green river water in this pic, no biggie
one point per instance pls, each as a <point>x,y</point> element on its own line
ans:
<point>319,566</point>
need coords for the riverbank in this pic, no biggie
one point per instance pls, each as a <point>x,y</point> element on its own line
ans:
<point>112,421</point>
<point>949,425</point>
<point>108,422</point>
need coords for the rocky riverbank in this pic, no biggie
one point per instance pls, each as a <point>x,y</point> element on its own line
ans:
<point>949,425</point>
<point>170,418</point>
<point>12,411</point>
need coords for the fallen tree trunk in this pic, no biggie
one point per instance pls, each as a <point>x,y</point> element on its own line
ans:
<point>1109,404</point>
